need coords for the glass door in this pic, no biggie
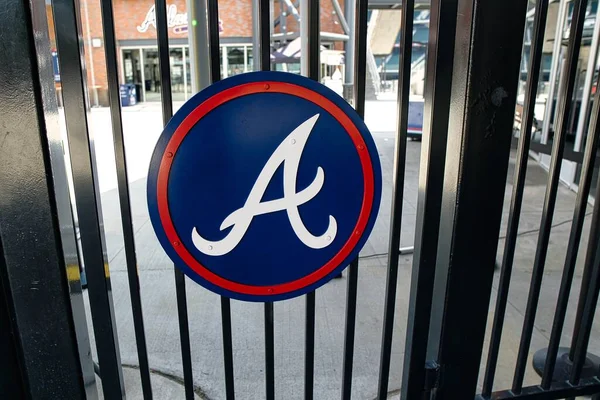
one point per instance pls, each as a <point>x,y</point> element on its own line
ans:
<point>151,74</point>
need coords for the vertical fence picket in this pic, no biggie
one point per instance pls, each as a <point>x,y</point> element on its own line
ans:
<point>408,7</point>
<point>167,113</point>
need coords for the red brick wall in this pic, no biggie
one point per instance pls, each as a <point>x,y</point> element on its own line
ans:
<point>329,21</point>
<point>235,19</point>
<point>235,15</point>
<point>94,60</point>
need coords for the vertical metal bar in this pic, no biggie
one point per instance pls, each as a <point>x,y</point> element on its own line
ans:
<point>309,347</point>
<point>264,31</point>
<point>349,11</point>
<point>584,293</point>
<point>164,64</point>
<point>533,74</point>
<point>484,86</point>
<point>555,68</point>
<point>269,352</point>
<point>262,61</point>
<point>587,86</point>
<point>350,328</point>
<point>213,40</point>
<point>360,50</point>
<point>225,63</point>
<point>12,381</point>
<point>227,346</point>
<point>185,68</point>
<point>61,195</point>
<point>256,38</point>
<point>37,324</point>
<point>215,73</point>
<point>397,196</point>
<point>87,196</point>
<point>360,40</point>
<point>585,279</point>
<point>592,263</point>
<point>574,239</point>
<point>438,83</point>
<point>110,49</point>
<point>583,296</point>
<point>551,190</point>
<point>184,335</point>
<point>141,55</point>
<point>162,36</point>
<point>310,37</point>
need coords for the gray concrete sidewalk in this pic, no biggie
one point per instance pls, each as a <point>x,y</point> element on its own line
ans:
<point>160,312</point>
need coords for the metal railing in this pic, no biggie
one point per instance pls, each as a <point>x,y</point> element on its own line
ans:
<point>473,65</point>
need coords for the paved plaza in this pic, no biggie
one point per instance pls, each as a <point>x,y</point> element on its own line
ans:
<point>142,126</point>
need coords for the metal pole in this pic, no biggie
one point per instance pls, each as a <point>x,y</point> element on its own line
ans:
<point>162,39</point>
<point>587,87</point>
<point>310,63</point>
<point>349,11</point>
<point>310,35</point>
<point>437,91</point>
<point>486,65</point>
<point>256,49</point>
<point>198,41</point>
<point>87,196</point>
<point>554,69</point>
<point>142,68</point>
<point>399,170</point>
<point>185,82</point>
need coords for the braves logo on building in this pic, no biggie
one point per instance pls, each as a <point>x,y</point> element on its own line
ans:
<point>264,186</point>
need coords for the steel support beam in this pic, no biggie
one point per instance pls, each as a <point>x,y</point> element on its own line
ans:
<point>486,65</point>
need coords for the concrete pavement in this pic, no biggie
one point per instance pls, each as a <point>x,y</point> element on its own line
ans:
<point>142,126</point>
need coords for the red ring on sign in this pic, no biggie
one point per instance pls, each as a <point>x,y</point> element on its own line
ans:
<point>217,100</point>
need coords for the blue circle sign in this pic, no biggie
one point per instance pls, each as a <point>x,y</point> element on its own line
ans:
<point>264,186</point>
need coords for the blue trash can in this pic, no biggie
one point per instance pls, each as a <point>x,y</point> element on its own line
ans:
<point>128,95</point>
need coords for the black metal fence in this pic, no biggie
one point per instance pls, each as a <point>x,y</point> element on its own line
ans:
<point>473,66</point>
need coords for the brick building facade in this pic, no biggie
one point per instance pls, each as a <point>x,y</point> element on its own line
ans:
<point>137,49</point>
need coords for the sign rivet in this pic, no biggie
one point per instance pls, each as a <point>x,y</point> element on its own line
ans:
<point>293,141</point>
<point>270,290</point>
<point>267,86</point>
<point>328,238</point>
<point>361,147</point>
<point>176,244</point>
<point>210,247</point>
<point>169,155</point>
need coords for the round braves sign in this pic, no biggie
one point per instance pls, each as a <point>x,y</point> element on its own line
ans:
<point>264,186</point>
